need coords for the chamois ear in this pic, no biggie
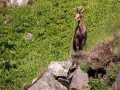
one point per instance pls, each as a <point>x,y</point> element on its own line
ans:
<point>83,12</point>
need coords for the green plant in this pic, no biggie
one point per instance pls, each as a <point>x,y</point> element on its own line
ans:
<point>96,84</point>
<point>113,73</point>
<point>84,66</point>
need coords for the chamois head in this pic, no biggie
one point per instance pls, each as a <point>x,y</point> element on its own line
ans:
<point>79,15</point>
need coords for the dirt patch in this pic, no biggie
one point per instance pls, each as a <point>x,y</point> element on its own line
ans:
<point>103,55</point>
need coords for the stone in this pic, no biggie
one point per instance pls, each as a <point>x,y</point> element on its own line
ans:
<point>47,82</point>
<point>59,68</point>
<point>34,80</point>
<point>64,82</point>
<point>118,80</point>
<point>18,2</point>
<point>7,3</point>
<point>79,80</point>
<point>29,36</point>
<point>57,78</point>
<point>116,84</point>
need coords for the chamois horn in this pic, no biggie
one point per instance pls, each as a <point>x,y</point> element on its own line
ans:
<point>78,9</point>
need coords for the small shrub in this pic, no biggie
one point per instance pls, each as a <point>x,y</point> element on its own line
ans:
<point>84,66</point>
<point>113,72</point>
<point>96,84</point>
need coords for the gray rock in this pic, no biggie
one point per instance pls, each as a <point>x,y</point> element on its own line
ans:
<point>7,3</point>
<point>18,2</point>
<point>59,68</point>
<point>47,82</point>
<point>118,80</point>
<point>56,78</point>
<point>79,80</point>
<point>116,84</point>
<point>29,36</point>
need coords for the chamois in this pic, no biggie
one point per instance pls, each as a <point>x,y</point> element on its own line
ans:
<point>80,34</point>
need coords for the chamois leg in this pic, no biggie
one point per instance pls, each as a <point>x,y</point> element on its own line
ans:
<point>80,45</point>
<point>83,43</point>
<point>77,45</point>
<point>85,38</point>
<point>74,45</point>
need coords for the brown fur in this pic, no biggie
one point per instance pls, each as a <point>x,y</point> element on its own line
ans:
<point>80,34</point>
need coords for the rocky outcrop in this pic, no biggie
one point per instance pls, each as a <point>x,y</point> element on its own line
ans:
<point>103,53</point>
<point>47,82</point>
<point>79,80</point>
<point>65,75</point>
<point>18,2</point>
<point>59,68</point>
<point>7,3</point>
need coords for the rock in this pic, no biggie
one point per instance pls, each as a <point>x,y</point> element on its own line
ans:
<point>116,84</point>
<point>118,80</point>
<point>102,53</point>
<point>34,80</point>
<point>64,82</point>
<point>18,2</point>
<point>57,78</point>
<point>29,36</point>
<point>7,3</point>
<point>47,82</point>
<point>59,68</point>
<point>79,80</point>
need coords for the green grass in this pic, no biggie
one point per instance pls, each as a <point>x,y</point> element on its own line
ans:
<point>52,24</point>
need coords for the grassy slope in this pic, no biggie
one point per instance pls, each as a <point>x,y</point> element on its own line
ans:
<point>52,24</point>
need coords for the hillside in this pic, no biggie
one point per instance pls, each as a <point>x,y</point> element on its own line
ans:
<point>51,26</point>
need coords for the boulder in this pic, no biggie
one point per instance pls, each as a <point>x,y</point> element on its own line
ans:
<point>47,82</point>
<point>59,68</point>
<point>79,80</point>
<point>62,76</point>
<point>7,3</point>
<point>18,2</point>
